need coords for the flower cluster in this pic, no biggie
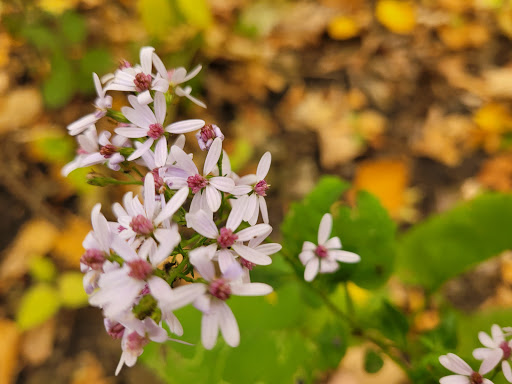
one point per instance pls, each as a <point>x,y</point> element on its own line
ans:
<point>495,355</point>
<point>192,237</point>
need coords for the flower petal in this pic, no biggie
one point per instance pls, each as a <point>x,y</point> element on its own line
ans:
<point>251,254</point>
<point>228,324</point>
<point>209,329</point>
<point>455,364</point>
<point>172,205</point>
<point>251,289</point>
<point>264,166</point>
<point>325,228</point>
<point>312,268</point>
<point>185,126</point>
<point>213,156</point>
<point>345,256</point>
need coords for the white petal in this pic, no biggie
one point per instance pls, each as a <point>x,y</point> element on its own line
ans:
<point>184,161</point>
<point>251,289</point>
<point>324,230</point>
<point>263,166</point>
<point>497,334</point>
<point>166,246</point>
<point>132,132</point>
<point>235,216</point>
<point>333,243</point>
<point>200,258</point>
<point>225,258</point>
<point>486,340</point>
<point>269,249</point>
<point>185,126</point>
<point>172,205</point>
<point>507,372</point>
<point>455,364</point>
<point>124,250</point>
<point>249,233</point>
<point>192,73</point>
<point>263,208</point>
<point>308,246</point>
<point>223,184</point>
<point>161,152</point>
<point>228,324</point>
<point>491,361</point>
<point>213,156</point>
<point>213,198</point>
<point>251,254</point>
<point>209,329</point>
<point>82,124</point>
<point>141,149</point>
<point>146,59</point>
<point>305,256</point>
<point>100,226</point>
<point>312,268</point>
<point>344,256</point>
<point>203,223</point>
<point>252,207</point>
<point>184,295</point>
<point>160,107</point>
<point>149,195</point>
<point>454,379</point>
<point>144,98</point>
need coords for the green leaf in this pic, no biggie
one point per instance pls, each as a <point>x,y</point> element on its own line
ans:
<point>242,153</point>
<point>368,231</point>
<point>40,36</point>
<point>38,304</point>
<point>97,60</point>
<point>391,322</point>
<point>302,221</point>
<point>42,269</point>
<point>55,147</point>
<point>73,27</point>
<point>157,16</point>
<point>196,12</point>
<point>372,361</point>
<point>59,87</point>
<point>71,290</point>
<point>451,243</point>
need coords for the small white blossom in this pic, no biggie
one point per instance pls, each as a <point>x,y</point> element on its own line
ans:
<point>324,257</point>
<point>496,349</point>
<point>465,374</point>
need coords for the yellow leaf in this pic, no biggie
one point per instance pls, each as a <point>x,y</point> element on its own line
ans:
<point>57,6</point>
<point>38,304</point>
<point>493,117</point>
<point>157,16</point>
<point>10,350</point>
<point>71,290</point>
<point>196,12</point>
<point>342,28</point>
<point>69,246</point>
<point>387,179</point>
<point>397,16</point>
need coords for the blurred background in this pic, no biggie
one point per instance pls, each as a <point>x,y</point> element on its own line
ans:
<point>408,99</point>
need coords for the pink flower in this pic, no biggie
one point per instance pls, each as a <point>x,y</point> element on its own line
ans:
<point>496,349</point>
<point>465,374</point>
<point>325,256</point>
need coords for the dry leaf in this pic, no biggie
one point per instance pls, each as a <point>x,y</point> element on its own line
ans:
<point>496,173</point>
<point>37,343</point>
<point>19,108</point>
<point>89,371</point>
<point>397,16</point>
<point>68,248</point>
<point>10,337</point>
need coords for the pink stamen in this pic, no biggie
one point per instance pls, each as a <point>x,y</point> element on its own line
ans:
<point>247,264</point>
<point>226,238</point>
<point>142,82</point>
<point>107,151</point>
<point>507,351</point>
<point>140,269</point>
<point>156,131</point>
<point>114,329</point>
<point>220,289</point>
<point>142,225</point>
<point>196,183</point>
<point>476,378</point>
<point>321,251</point>
<point>93,258</point>
<point>159,182</point>
<point>261,188</point>
<point>136,342</point>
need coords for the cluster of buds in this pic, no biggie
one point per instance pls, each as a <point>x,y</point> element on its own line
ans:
<point>191,238</point>
<point>495,355</point>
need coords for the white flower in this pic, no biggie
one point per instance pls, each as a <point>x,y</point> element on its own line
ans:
<point>140,79</point>
<point>205,189</point>
<point>178,76</point>
<point>496,349</point>
<point>140,222</point>
<point>150,124</point>
<point>94,150</point>
<point>324,257</point>
<point>228,240</point>
<point>266,249</point>
<point>102,103</point>
<point>216,313</point>
<point>207,134</point>
<point>465,374</point>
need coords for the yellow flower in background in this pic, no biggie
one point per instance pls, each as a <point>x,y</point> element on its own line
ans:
<point>342,28</point>
<point>57,6</point>
<point>397,16</point>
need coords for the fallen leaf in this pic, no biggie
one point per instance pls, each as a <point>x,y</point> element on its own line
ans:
<point>89,371</point>
<point>37,343</point>
<point>397,16</point>
<point>10,336</point>
<point>68,248</point>
<point>19,108</point>
<point>342,28</point>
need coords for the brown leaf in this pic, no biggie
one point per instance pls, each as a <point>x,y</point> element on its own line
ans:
<point>37,343</point>
<point>10,336</point>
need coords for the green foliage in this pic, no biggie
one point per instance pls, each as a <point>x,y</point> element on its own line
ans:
<point>196,12</point>
<point>73,27</point>
<point>56,147</point>
<point>38,304</point>
<point>60,85</point>
<point>368,231</point>
<point>372,361</point>
<point>392,323</point>
<point>71,290</point>
<point>97,60</point>
<point>449,244</point>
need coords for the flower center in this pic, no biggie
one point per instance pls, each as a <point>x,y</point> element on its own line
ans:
<point>321,251</point>
<point>93,258</point>
<point>155,131</point>
<point>196,183</point>
<point>261,188</point>
<point>141,225</point>
<point>220,289</point>
<point>136,342</point>
<point>140,269</point>
<point>247,264</point>
<point>159,182</point>
<point>476,378</point>
<point>226,238</point>
<point>107,151</point>
<point>142,82</point>
<point>506,350</point>
<point>114,329</point>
